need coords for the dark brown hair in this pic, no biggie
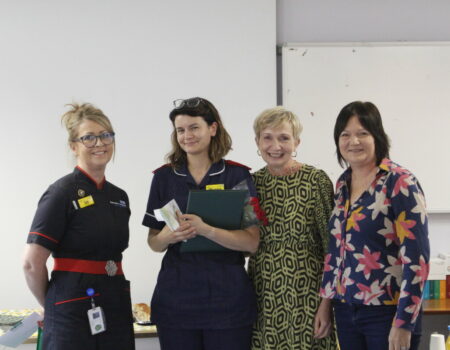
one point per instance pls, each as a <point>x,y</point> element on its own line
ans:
<point>220,144</point>
<point>370,118</point>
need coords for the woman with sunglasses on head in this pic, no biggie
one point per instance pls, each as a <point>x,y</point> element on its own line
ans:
<point>202,300</point>
<point>82,220</point>
<point>377,261</point>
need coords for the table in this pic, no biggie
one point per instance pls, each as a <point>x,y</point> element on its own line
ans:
<point>430,307</point>
<point>436,306</point>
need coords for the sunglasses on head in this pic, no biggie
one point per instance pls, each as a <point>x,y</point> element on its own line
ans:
<point>190,102</point>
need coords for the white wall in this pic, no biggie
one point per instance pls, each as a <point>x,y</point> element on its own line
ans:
<point>377,21</point>
<point>131,58</point>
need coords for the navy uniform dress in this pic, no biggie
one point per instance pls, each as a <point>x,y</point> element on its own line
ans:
<point>207,291</point>
<point>83,233</point>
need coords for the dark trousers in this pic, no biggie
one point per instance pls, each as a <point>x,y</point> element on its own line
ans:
<point>205,339</point>
<point>367,327</point>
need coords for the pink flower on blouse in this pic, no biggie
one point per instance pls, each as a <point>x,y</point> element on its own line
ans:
<point>414,308</point>
<point>327,267</point>
<point>402,185</point>
<point>368,261</point>
<point>421,272</point>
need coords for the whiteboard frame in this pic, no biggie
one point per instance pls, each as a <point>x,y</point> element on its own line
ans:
<point>287,93</point>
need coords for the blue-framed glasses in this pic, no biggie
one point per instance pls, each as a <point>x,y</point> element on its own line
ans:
<point>90,141</point>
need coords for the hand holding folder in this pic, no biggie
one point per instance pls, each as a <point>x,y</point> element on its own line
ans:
<point>222,209</point>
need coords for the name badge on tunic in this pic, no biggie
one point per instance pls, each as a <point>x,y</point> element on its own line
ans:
<point>86,201</point>
<point>96,315</point>
<point>215,187</point>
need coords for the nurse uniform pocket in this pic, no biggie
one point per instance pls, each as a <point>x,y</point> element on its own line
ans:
<point>70,311</point>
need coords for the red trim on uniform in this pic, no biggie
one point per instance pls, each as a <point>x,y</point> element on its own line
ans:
<point>98,184</point>
<point>260,214</point>
<point>41,234</point>
<point>84,266</point>
<point>76,299</point>
<point>162,166</point>
<point>237,164</point>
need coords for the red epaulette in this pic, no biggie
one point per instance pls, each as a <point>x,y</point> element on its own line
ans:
<point>162,166</point>
<point>237,164</point>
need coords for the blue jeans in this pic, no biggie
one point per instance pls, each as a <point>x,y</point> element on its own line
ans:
<point>367,327</point>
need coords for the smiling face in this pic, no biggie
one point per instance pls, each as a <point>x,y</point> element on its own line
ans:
<point>276,145</point>
<point>357,145</point>
<point>194,134</point>
<point>95,158</point>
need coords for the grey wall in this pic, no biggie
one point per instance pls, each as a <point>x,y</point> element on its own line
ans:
<point>362,20</point>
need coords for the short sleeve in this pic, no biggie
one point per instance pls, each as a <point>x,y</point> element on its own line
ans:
<point>154,202</point>
<point>49,223</point>
<point>323,207</point>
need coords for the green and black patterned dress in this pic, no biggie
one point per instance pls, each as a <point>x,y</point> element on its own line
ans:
<point>287,268</point>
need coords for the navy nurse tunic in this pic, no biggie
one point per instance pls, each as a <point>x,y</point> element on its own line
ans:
<point>95,232</point>
<point>199,290</point>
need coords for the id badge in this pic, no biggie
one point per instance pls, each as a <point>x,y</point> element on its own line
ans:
<point>96,318</point>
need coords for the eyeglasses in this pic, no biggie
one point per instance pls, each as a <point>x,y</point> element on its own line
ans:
<point>90,141</point>
<point>190,102</point>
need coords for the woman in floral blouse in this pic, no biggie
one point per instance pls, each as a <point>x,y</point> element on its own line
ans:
<point>378,256</point>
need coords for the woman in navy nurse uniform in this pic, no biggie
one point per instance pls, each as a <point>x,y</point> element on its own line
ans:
<point>83,221</point>
<point>201,300</point>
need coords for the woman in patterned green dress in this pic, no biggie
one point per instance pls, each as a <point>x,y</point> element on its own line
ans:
<point>287,268</point>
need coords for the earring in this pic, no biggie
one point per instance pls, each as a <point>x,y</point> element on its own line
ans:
<point>294,154</point>
<point>258,152</point>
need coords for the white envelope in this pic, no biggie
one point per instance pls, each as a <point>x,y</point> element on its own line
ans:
<point>168,214</point>
<point>22,331</point>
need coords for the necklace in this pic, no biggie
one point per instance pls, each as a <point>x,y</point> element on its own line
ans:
<point>288,170</point>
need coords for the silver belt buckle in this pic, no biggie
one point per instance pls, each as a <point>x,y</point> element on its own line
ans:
<point>111,268</point>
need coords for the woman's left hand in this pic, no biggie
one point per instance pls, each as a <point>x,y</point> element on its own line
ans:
<point>399,339</point>
<point>196,222</point>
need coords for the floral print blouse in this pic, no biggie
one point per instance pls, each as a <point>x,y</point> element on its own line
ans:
<point>378,252</point>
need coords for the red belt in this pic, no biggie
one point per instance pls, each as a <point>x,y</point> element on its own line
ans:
<point>109,267</point>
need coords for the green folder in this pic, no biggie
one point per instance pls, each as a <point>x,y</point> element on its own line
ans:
<point>218,208</point>
<point>39,339</point>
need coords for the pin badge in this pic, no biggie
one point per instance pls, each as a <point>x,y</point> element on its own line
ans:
<point>81,193</point>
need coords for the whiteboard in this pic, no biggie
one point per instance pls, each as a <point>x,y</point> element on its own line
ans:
<point>408,82</point>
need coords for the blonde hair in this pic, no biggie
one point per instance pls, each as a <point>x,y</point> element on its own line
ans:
<point>273,118</point>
